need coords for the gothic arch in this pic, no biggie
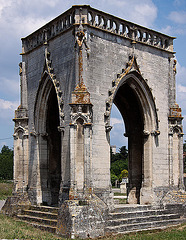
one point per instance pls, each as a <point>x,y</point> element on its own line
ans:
<point>48,121</point>
<point>43,93</point>
<point>136,104</point>
<point>144,94</point>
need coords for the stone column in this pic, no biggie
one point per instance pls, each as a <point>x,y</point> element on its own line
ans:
<point>20,150</point>
<point>80,150</point>
<point>175,147</point>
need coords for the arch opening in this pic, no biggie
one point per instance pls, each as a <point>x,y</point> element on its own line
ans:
<point>134,101</point>
<point>54,147</point>
<point>47,121</point>
<point>131,112</point>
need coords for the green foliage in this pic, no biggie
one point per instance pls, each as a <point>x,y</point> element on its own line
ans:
<point>6,163</point>
<point>123,174</point>
<point>119,162</point>
<point>5,189</point>
<point>113,178</point>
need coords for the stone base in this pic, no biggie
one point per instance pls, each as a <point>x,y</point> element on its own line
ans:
<point>15,204</point>
<point>82,218</point>
<point>170,195</point>
<point>146,196</point>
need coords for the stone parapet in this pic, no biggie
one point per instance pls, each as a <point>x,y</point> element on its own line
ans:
<point>100,20</point>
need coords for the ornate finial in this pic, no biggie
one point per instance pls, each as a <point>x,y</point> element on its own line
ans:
<point>175,111</point>
<point>20,68</point>
<point>81,95</point>
<point>174,66</point>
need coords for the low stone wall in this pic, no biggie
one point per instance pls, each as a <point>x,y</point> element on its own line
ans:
<point>82,219</point>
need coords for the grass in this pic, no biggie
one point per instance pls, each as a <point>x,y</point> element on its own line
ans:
<point>171,233</point>
<point>5,189</point>
<point>120,194</point>
<point>10,228</point>
<point>122,201</point>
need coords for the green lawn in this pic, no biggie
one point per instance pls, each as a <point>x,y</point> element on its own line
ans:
<point>10,228</point>
<point>5,189</point>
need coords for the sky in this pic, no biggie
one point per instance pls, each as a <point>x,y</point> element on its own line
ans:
<point>19,18</point>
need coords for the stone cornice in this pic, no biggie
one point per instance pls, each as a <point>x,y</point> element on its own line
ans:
<point>99,20</point>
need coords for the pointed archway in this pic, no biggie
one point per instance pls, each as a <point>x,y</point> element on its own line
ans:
<point>135,102</point>
<point>47,122</point>
<point>130,109</point>
<point>53,147</point>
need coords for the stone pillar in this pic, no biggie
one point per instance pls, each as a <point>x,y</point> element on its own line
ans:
<point>20,150</point>
<point>80,150</point>
<point>175,148</point>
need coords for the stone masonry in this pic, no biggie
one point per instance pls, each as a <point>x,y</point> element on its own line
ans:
<point>73,69</point>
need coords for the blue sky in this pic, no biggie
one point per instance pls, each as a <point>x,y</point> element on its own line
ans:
<point>18,18</point>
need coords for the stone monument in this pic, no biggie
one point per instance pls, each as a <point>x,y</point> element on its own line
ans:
<point>73,69</point>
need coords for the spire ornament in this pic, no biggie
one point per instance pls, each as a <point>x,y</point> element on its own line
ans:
<point>80,95</point>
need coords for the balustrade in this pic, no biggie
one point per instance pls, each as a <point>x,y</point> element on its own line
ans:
<point>100,20</point>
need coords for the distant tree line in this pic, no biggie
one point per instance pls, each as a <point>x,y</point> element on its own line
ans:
<point>6,163</point>
<point>119,165</point>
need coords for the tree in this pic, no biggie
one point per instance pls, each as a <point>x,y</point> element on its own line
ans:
<point>123,174</point>
<point>6,163</point>
<point>113,178</point>
<point>119,162</point>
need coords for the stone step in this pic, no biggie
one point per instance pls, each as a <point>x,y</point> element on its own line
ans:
<point>131,208</point>
<point>142,226</point>
<point>116,201</point>
<point>44,209</point>
<point>145,213</point>
<point>45,215</point>
<point>120,197</point>
<point>42,221</point>
<point>47,228</point>
<point>140,219</point>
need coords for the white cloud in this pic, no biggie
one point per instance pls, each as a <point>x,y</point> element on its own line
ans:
<point>142,12</point>
<point>167,30</point>
<point>4,4</point>
<point>173,30</point>
<point>9,86</point>
<point>181,74</point>
<point>181,89</point>
<point>19,18</point>
<point>178,17</point>
<point>114,121</point>
<point>7,109</point>
<point>8,105</point>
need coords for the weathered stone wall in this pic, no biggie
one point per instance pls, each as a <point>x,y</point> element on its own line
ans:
<point>62,55</point>
<point>108,56</point>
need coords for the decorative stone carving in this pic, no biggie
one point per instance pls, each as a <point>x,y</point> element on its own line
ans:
<point>175,112</point>
<point>130,66</point>
<point>174,66</point>
<point>50,71</point>
<point>155,132</point>
<point>100,20</point>
<point>146,133</point>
